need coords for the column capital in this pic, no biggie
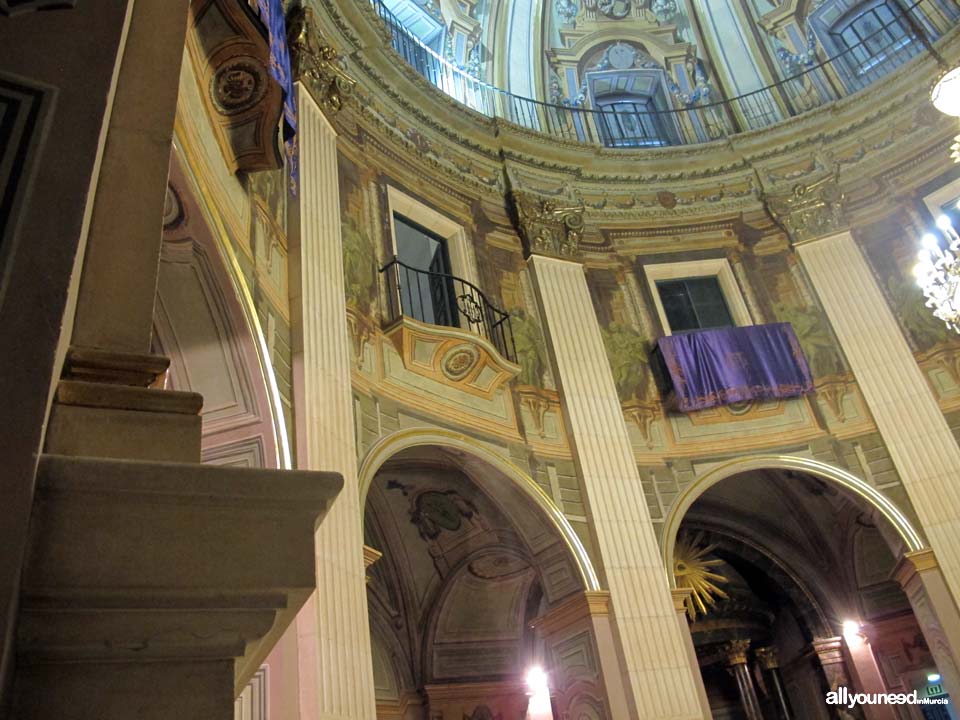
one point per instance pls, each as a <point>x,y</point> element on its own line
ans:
<point>735,652</point>
<point>316,64</point>
<point>809,212</point>
<point>681,599</point>
<point>582,606</point>
<point>828,650</point>
<point>370,556</point>
<point>548,226</point>
<point>768,657</point>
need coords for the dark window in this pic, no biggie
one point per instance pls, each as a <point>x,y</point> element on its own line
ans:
<point>426,282</point>
<point>694,304</point>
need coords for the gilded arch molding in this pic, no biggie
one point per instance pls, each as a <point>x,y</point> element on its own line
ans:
<point>389,445</point>
<point>904,528</point>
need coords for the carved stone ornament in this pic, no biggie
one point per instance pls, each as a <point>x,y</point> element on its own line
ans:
<point>735,652</point>
<point>810,211</point>
<point>547,226</point>
<point>768,658</point>
<point>316,64</point>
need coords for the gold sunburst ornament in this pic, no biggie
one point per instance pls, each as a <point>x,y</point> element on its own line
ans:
<point>692,569</point>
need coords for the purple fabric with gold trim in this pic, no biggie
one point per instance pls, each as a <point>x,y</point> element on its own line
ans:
<point>733,364</point>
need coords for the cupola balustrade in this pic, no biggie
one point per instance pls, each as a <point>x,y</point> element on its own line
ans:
<point>845,73</point>
<point>442,299</point>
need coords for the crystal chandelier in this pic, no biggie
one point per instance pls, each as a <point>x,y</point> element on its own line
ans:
<point>938,273</point>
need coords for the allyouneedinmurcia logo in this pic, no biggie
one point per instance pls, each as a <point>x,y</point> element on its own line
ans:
<point>842,696</point>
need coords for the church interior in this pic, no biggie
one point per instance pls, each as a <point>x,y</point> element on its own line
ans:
<point>480,359</point>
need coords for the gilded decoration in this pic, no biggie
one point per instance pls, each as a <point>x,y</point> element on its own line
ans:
<point>735,652</point>
<point>316,64</point>
<point>767,657</point>
<point>692,569</point>
<point>548,226</point>
<point>810,211</point>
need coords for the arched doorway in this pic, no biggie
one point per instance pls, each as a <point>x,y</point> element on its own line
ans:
<point>791,565</point>
<point>473,556</point>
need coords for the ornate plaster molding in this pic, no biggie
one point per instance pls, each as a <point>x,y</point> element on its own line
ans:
<point>810,211</point>
<point>735,652</point>
<point>316,64</point>
<point>548,226</point>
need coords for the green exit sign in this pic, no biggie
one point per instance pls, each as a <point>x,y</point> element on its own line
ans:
<point>934,690</point>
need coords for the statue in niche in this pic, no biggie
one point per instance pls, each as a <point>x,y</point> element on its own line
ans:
<point>613,9</point>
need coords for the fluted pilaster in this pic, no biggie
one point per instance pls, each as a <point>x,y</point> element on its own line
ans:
<point>337,645</point>
<point>658,671</point>
<point>920,442</point>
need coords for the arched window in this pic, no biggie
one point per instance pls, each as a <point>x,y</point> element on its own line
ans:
<point>629,90</point>
<point>870,38</point>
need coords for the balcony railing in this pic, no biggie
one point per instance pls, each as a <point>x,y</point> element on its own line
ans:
<point>441,299</point>
<point>814,85</point>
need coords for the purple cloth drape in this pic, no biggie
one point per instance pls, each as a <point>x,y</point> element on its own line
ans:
<point>271,14</point>
<point>725,365</point>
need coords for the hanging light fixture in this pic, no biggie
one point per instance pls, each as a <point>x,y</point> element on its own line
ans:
<point>945,95</point>
<point>938,273</point>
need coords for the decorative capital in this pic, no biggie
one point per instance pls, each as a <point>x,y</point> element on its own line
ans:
<point>767,657</point>
<point>809,212</point>
<point>736,652</point>
<point>547,226</point>
<point>316,64</point>
<point>370,556</point>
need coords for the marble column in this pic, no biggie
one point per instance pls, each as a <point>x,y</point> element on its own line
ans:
<point>918,573</point>
<point>336,665</point>
<point>588,612</point>
<point>659,678</point>
<point>914,430</point>
<point>115,308</point>
<point>681,597</point>
<point>866,674</point>
<point>735,653</point>
<point>770,663</point>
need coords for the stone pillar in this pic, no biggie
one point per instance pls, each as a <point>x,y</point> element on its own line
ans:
<point>736,660</point>
<point>865,673</point>
<point>119,281</point>
<point>659,677</point>
<point>681,597</point>
<point>770,664</point>
<point>921,445</point>
<point>587,612</point>
<point>336,665</point>
<point>919,575</point>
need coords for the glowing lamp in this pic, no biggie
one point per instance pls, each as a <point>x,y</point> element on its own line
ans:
<point>945,95</point>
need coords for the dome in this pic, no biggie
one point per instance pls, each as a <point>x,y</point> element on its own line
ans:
<point>653,73</point>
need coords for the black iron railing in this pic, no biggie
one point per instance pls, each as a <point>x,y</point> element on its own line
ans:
<point>442,299</point>
<point>805,85</point>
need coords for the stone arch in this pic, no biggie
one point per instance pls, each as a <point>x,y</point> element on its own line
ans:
<point>389,445</point>
<point>876,500</point>
<point>205,322</point>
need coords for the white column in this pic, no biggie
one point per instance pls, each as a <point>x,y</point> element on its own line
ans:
<point>336,643</point>
<point>920,443</point>
<point>659,677</point>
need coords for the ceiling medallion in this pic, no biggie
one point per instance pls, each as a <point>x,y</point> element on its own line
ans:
<point>238,85</point>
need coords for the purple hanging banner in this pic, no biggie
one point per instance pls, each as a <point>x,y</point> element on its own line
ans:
<point>271,15</point>
<point>733,364</point>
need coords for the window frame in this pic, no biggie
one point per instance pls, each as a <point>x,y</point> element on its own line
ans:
<point>463,262</point>
<point>716,267</point>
